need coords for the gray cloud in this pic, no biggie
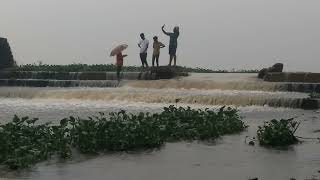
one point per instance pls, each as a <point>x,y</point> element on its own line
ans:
<point>219,34</point>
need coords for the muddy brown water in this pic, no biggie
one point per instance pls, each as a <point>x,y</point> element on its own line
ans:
<point>226,159</point>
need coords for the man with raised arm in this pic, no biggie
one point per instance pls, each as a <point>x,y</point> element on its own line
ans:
<point>173,43</point>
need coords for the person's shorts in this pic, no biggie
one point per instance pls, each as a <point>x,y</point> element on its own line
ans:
<point>155,56</point>
<point>172,50</point>
<point>143,57</point>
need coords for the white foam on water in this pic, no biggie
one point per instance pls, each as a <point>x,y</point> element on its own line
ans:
<point>204,97</point>
<point>198,89</point>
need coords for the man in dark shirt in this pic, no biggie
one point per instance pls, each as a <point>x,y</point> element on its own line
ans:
<point>173,43</point>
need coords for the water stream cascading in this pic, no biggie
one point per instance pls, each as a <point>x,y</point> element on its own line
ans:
<point>189,90</point>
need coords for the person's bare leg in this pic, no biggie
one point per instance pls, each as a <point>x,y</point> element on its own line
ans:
<point>119,68</point>
<point>175,60</point>
<point>153,59</point>
<point>157,59</point>
<point>145,60</point>
<point>170,62</point>
<point>141,58</point>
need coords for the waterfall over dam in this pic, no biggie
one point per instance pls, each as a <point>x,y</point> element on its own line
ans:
<point>144,80</point>
<point>205,89</point>
<point>202,89</point>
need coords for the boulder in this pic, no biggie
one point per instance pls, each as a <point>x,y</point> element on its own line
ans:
<point>275,77</point>
<point>278,67</point>
<point>6,57</point>
<point>262,73</point>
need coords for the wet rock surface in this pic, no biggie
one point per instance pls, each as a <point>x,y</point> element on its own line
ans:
<point>304,77</point>
<point>278,67</point>
<point>166,72</point>
<point>6,57</point>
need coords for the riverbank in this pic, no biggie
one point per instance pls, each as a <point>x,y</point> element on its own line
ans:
<point>113,68</point>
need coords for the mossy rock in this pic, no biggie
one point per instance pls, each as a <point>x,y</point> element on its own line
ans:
<point>6,57</point>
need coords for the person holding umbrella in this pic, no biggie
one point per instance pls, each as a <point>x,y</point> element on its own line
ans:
<point>173,43</point>
<point>119,63</point>
<point>119,57</point>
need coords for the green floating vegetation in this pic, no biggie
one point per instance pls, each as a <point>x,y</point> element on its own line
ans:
<point>112,68</point>
<point>278,133</point>
<point>24,141</point>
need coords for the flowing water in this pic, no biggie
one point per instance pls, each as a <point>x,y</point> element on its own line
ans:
<point>228,158</point>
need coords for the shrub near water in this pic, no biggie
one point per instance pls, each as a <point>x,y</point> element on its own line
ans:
<point>23,142</point>
<point>192,124</point>
<point>120,132</point>
<point>278,132</point>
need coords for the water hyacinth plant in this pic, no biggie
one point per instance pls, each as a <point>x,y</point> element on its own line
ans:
<point>24,142</point>
<point>192,124</point>
<point>278,132</point>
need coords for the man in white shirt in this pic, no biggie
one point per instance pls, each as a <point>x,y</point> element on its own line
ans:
<point>143,44</point>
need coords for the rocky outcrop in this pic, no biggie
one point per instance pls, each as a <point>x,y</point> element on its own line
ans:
<point>6,57</point>
<point>278,67</point>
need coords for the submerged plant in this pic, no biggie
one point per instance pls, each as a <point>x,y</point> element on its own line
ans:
<point>278,132</point>
<point>24,142</point>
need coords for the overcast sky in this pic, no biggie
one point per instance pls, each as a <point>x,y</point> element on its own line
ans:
<point>218,34</point>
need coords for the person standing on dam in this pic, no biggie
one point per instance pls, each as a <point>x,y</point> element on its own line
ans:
<point>143,45</point>
<point>157,45</point>
<point>119,63</point>
<point>173,43</point>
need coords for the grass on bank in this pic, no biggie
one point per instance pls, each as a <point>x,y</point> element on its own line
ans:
<point>112,68</point>
<point>24,141</point>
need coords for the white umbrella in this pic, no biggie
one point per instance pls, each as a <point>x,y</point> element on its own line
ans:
<point>118,49</point>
